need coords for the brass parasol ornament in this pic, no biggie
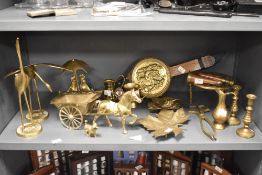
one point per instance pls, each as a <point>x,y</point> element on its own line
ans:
<point>75,65</point>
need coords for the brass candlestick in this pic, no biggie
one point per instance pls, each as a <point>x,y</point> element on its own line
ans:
<point>109,89</point>
<point>233,120</point>
<point>245,131</point>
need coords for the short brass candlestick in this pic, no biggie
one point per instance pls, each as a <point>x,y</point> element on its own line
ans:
<point>245,131</point>
<point>233,120</point>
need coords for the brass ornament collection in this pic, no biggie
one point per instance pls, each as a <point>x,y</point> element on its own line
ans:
<point>80,106</point>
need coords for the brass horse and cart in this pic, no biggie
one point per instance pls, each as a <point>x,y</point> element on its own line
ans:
<point>80,101</point>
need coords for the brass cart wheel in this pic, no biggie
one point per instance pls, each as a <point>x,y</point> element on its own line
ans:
<point>71,117</point>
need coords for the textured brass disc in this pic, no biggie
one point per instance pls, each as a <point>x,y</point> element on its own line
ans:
<point>30,130</point>
<point>38,115</point>
<point>153,76</point>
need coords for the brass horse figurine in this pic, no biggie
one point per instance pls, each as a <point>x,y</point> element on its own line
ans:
<point>121,109</point>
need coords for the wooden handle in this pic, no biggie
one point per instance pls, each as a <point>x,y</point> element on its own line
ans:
<point>193,65</point>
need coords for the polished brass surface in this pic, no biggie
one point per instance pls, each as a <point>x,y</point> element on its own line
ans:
<point>208,81</point>
<point>71,117</point>
<point>163,103</point>
<point>153,76</point>
<point>83,84</point>
<point>109,90</point>
<point>196,78</point>
<point>220,113</point>
<point>131,86</point>
<point>200,111</point>
<point>121,109</point>
<point>73,85</point>
<point>38,115</point>
<point>217,78</point>
<point>29,130</point>
<point>246,131</point>
<point>73,106</point>
<point>75,65</point>
<point>90,130</point>
<point>233,120</point>
<point>167,121</point>
<point>22,79</point>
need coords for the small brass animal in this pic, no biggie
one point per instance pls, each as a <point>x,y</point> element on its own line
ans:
<point>90,130</point>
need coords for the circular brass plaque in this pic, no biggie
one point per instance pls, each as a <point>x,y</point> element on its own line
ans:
<point>153,76</point>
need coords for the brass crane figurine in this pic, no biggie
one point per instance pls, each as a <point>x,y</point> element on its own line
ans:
<point>39,114</point>
<point>30,129</point>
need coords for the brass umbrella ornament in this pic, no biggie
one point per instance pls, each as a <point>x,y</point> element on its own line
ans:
<point>75,65</point>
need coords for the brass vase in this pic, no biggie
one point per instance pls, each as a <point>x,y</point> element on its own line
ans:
<point>220,113</point>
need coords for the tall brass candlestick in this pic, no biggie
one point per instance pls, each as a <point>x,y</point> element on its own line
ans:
<point>246,131</point>
<point>233,120</point>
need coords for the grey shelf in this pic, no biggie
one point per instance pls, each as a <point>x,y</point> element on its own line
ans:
<point>113,139</point>
<point>12,19</point>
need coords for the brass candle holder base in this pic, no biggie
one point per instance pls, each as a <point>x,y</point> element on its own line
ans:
<point>219,126</point>
<point>233,121</point>
<point>38,115</point>
<point>30,130</point>
<point>245,133</point>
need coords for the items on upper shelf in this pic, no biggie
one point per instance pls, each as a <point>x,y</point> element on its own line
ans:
<point>216,8</point>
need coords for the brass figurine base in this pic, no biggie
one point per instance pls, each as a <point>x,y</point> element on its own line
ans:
<point>30,130</point>
<point>233,121</point>
<point>219,126</point>
<point>245,133</point>
<point>38,115</point>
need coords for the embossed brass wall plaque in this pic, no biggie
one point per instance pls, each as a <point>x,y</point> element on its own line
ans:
<point>154,76</point>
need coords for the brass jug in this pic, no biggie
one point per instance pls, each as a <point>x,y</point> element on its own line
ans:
<point>220,113</point>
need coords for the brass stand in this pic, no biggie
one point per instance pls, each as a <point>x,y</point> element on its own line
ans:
<point>233,120</point>
<point>245,131</point>
<point>29,130</point>
<point>38,115</point>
